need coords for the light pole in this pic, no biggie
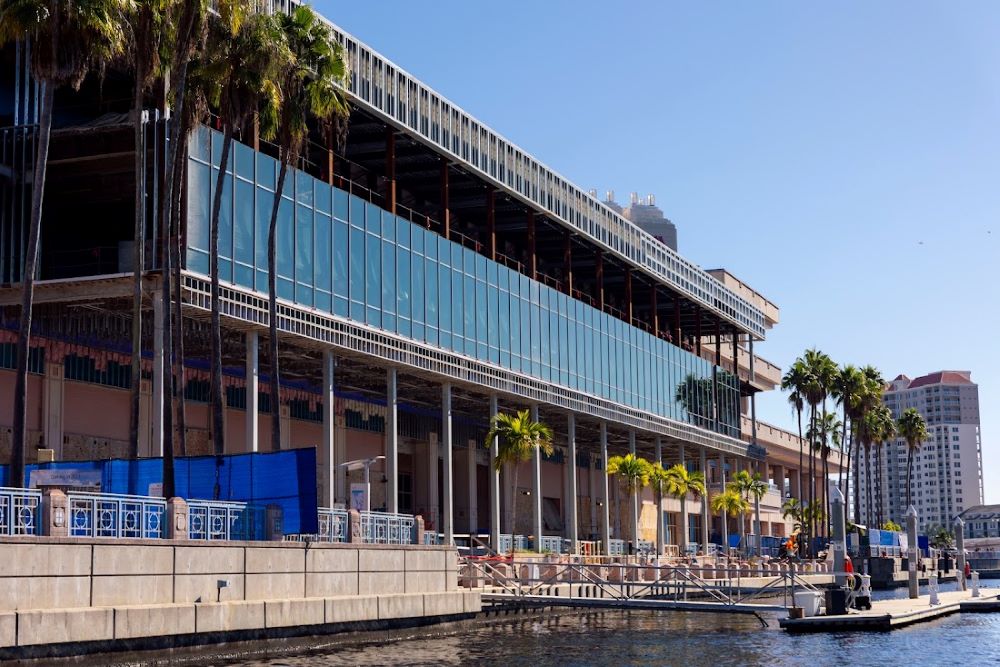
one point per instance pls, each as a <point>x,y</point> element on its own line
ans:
<point>364,465</point>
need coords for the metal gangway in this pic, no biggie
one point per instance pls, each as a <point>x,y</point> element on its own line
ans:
<point>623,583</point>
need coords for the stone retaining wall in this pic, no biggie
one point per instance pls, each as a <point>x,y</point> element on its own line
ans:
<point>65,590</point>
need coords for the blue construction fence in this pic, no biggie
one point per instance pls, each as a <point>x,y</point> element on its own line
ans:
<point>884,543</point>
<point>286,478</point>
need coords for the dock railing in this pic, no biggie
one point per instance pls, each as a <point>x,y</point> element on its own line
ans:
<point>115,515</point>
<point>722,584</point>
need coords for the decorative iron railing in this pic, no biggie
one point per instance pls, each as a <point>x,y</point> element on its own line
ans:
<point>385,528</point>
<point>551,544</point>
<point>616,547</point>
<point>222,520</point>
<point>20,511</point>
<point>115,515</point>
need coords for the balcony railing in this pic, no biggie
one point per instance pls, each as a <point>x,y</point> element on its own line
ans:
<point>116,516</point>
<point>222,520</point>
<point>20,511</point>
<point>385,528</point>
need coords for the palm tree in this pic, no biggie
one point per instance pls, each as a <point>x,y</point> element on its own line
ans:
<point>868,399</point>
<point>912,428</point>
<point>824,438</point>
<point>633,474</point>
<point>794,381</point>
<point>311,86</point>
<point>517,436</point>
<point>822,373</point>
<point>697,397</point>
<point>679,483</point>
<point>750,485</point>
<point>147,38</point>
<point>884,430</point>
<point>71,39</point>
<point>848,391</point>
<point>242,62</point>
<point>731,503</point>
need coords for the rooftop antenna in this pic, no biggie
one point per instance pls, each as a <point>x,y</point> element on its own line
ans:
<point>634,198</point>
<point>610,195</point>
<point>650,200</point>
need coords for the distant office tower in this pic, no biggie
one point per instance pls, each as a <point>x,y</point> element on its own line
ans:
<point>647,215</point>
<point>947,476</point>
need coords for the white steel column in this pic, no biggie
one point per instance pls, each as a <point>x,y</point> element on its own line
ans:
<point>536,489</point>
<point>722,514</point>
<point>447,484</point>
<point>658,497</point>
<point>156,437</point>
<point>329,426</point>
<point>635,499</point>
<point>572,514</point>
<point>606,495</point>
<point>391,443</point>
<point>683,535</point>
<point>592,472</point>
<point>706,523</point>
<point>494,482</point>
<point>433,501</point>
<point>473,490</point>
<point>253,390</point>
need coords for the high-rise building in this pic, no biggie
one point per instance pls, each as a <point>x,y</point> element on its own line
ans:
<point>947,474</point>
<point>646,215</point>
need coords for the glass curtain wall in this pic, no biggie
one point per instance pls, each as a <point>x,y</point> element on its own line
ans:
<point>342,255</point>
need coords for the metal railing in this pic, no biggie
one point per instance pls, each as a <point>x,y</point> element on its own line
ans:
<point>115,515</point>
<point>20,511</point>
<point>222,520</point>
<point>333,526</point>
<point>385,528</point>
<point>726,586</point>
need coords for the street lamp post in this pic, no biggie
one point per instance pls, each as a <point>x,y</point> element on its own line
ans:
<point>365,466</point>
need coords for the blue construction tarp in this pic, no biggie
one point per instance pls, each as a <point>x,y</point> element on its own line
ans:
<point>286,479</point>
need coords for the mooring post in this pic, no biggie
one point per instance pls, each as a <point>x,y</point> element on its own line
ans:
<point>839,542</point>
<point>960,545</point>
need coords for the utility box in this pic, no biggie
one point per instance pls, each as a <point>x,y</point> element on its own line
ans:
<point>836,602</point>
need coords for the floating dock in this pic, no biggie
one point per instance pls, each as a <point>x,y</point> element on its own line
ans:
<point>891,614</point>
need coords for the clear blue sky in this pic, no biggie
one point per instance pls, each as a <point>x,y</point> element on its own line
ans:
<point>844,160</point>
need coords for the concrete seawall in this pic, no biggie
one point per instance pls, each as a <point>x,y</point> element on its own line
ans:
<point>66,596</point>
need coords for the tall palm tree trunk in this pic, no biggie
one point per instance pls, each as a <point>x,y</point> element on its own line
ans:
<point>682,538</point>
<point>801,455</point>
<point>216,397</point>
<point>909,468</point>
<point>138,266</point>
<point>272,292</point>
<point>19,453</point>
<point>869,485</point>
<point>513,507</point>
<point>878,483</point>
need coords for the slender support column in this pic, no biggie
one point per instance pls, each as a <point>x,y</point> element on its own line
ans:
<point>960,548</point>
<point>718,342</point>
<point>677,321</point>
<point>736,353</point>
<point>329,429</point>
<point>53,407</point>
<point>658,496</point>
<point>253,391</point>
<point>606,493</point>
<point>536,490</point>
<point>445,203</point>
<point>697,330</point>
<point>839,542</point>
<point>494,482</point>
<point>391,443</point>
<point>683,536</point>
<point>447,484</point>
<point>592,485</point>
<point>706,523</point>
<point>390,170</point>
<point>635,499</point>
<point>433,458</point>
<point>912,552</point>
<point>568,262</point>
<point>655,311</point>
<point>600,280</point>
<point>331,160</point>
<point>572,514</point>
<point>722,515</point>
<point>753,395</point>
<point>532,255</point>
<point>491,222</point>
<point>473,487</point>
<point>156,437</point>
<point>628,293</point>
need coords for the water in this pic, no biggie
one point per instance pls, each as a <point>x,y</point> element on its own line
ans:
<point>622,638</point>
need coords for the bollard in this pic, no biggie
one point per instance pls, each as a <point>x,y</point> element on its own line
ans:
<point>932,587</point>
<point>975,584</point>
<point>177,525</point>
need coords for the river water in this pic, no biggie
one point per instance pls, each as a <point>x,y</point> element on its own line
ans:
<point>619,638</point>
